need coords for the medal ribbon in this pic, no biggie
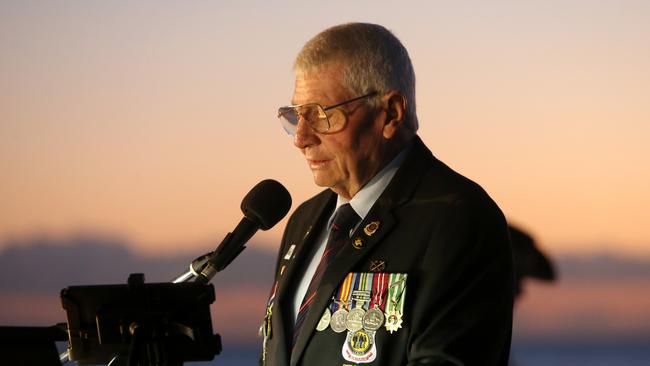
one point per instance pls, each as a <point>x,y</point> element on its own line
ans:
<point>275,288</point>
<point>265,329</point>
<point>361,290</point>
<point>367,281</point>
<point>396,290</point>
<point>356,281</point>
<point>343,293</point>
<point>355,287</point>
<point>379,285</point>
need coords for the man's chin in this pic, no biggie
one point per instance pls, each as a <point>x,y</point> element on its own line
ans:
<point>322,181</point>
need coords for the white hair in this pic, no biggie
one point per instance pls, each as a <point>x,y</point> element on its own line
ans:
<point>373,59</point>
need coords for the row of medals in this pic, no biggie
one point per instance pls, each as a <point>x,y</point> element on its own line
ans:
<point>355,319</point>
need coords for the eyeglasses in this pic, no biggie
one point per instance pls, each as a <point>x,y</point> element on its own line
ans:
<point>320,119</point>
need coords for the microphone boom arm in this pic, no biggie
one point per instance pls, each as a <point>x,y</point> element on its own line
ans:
<point>205,267</point>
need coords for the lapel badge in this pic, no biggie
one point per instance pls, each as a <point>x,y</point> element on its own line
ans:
<point>307,233</point>
<point>371,228</point>
<point>289,253</point>
<point>282,269</point>
<point>377,265</point>
<point>357,243</point>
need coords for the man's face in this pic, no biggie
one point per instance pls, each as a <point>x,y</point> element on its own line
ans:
<point>346,160</point>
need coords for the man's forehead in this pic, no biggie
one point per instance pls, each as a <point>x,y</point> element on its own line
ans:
<point>318,85</point>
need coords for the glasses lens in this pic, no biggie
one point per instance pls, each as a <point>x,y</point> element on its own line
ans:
<point>315,117</point>
<point>336,118</point>
<point>289,119</point>
<point>313,114</point>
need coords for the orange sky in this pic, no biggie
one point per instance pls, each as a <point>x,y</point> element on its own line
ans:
<point>153,120</point>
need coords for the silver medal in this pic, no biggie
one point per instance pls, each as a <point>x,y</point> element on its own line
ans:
<point>355,319</point>
<point>324,321</point>
<point>338,320</point>
<point>373,320</point>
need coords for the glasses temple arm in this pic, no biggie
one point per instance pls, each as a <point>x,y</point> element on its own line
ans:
<point>349,101</point>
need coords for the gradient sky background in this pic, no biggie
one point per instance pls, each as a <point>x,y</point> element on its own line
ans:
<point>151,120</point>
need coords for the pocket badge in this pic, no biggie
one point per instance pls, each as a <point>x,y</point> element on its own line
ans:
<point>359,347</point>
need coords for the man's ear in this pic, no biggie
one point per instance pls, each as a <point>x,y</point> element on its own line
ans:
<point>395,107</point>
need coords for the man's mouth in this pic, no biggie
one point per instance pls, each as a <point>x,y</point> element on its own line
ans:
<point>316,163</point>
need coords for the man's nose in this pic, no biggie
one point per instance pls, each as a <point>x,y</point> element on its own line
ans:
<point>304,136</point>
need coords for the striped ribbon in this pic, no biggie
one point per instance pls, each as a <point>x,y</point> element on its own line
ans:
<point>344,220</point>
<point>379,286</point>
<point>396,292</point>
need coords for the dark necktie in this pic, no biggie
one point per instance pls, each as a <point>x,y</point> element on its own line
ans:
<point>344,220</point>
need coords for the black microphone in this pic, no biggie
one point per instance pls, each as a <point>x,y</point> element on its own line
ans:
<point>266,204</point>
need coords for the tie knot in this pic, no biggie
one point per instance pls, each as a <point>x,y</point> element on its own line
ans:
<point>345,218</point>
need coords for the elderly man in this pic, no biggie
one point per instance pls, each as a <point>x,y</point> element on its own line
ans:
<point>401,260</point>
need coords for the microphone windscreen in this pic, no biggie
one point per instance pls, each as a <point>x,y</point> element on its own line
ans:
<point>266,204</point>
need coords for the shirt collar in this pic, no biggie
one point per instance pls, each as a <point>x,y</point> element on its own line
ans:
<point>363,201</point>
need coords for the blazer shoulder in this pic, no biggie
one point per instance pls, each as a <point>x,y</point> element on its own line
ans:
<point>423,180</point>
<point>460,189</point>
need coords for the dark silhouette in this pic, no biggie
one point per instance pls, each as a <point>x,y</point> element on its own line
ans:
<point>529,260</point>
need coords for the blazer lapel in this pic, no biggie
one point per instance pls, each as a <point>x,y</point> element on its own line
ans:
<point>307,230</point>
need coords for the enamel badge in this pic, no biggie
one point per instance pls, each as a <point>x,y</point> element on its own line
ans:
<point>359,347</point>
<point>371,228</point>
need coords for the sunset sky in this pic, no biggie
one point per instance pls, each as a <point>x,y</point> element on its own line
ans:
<point>151,120</point>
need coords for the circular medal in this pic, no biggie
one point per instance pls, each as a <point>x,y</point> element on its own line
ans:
<point>355,319</point>
<point>338,320</point>
<point>324,321</point>
<point>373,319</point>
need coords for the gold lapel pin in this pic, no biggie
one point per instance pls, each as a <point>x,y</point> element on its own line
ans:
<point>357,243</point>
<point>371,228</point>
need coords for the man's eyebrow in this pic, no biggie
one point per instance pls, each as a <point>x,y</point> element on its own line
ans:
<point>293,102</point>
